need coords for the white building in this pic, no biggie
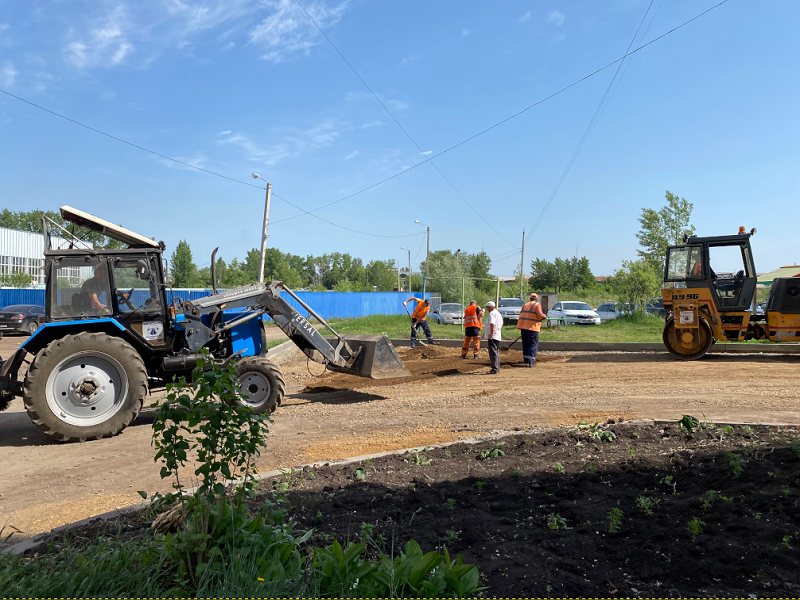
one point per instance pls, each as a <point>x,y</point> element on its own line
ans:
<point>23,251</point>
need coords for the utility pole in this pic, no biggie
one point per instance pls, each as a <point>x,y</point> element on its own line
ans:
<point>264,235</point>
<point>574,264</point>
<point>427,256</point>
<point>521,266</point>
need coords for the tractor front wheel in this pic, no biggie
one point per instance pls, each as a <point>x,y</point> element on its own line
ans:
<point>85,386</point>
<point>687,344</point>
<point>262,384</point>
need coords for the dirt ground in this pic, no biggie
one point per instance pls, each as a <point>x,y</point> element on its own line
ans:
<point>46,484</point>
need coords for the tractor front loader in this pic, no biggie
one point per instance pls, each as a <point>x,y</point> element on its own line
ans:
<point>712,297</point>
<point>111,331</point>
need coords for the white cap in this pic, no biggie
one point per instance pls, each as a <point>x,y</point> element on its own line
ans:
<point>490,304</point>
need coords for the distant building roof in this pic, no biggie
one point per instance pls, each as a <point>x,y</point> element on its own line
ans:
<point>789,271</point>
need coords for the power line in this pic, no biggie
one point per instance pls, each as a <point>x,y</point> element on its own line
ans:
<point>586,131</point>
<point>403,129</point>
<point>518,113</point>
<point>185,164</point>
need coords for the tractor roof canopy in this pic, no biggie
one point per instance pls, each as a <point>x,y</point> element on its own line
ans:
<point>115,232</point>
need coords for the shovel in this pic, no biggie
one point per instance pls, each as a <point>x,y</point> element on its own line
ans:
<point>412,324</point>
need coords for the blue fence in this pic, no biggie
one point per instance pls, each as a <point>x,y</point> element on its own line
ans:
<point>329,305</point>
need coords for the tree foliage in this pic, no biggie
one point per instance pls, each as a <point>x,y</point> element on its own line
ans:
<point>31,220</point>
<point>183,271</point>
<point>561,274</point>
<point>636,282</point>
<point>663,227</point>
<point>445,271</point>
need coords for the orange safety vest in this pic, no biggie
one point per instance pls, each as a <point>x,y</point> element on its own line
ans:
<point>530,317</point>
<point>420,311</point>
<point>471,317</point>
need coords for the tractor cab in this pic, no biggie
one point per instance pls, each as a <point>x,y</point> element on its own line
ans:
<point>125,286</point>
<point>721,264</point>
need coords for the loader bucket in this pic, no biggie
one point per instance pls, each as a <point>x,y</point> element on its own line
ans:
<point>377,358</point>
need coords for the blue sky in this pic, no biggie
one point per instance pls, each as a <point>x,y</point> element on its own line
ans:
<point>242,86</point>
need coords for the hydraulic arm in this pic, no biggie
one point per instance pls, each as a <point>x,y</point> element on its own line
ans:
<point>364,355</point>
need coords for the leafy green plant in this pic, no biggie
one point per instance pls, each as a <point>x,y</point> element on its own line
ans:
<point>631,453</point>
<point>670,481</point>
<point>747,430</point>
<point>558,468</point>
<point>360,474</point>
<point>736,463</point>
<point>206,418</point>
<point>695,528</point>
<point>795,446</point>
<point>614,519</point>
<point>451,503</point>
<point>646,504</point>
<point>596,432</point>
<point>480,485</point>
<point>689,423</point>
<point>517,473</point>
<point>420,458</point>
<point>556,521</point>
<point>451,536</point>
<point>493,452</point>
<point>447,454</point>
<point>708,499</point>
<point>785,542</point>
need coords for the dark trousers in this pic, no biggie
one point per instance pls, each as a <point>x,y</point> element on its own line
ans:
<point>425,328</point>
<point>494,354</point>
<point>530,346</point>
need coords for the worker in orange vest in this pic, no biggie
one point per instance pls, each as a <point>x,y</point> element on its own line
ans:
<point>472,331</point>
<point>419,318</point>
<point>530,321</point>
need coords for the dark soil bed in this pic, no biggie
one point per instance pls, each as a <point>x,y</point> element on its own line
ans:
<point>496,511</point>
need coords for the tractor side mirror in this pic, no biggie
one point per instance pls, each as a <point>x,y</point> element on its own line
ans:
<point>142,269</point>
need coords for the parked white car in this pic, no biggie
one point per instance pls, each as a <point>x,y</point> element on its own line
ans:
<point>609,311</point>
<point>509,308</point>
<point>572,313</point>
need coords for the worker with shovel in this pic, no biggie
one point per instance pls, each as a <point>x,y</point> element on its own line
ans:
<point>419,318</point>
<point>472,330</point>
<point>529,324</point>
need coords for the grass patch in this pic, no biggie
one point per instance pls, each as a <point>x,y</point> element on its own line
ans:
<point>634,328</point>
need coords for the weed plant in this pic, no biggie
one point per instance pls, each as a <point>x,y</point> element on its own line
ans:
<point>614,520</point>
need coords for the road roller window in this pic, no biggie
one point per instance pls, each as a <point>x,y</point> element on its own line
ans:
<point>684,262</point>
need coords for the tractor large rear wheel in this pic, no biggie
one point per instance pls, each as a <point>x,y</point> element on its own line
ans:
<point>687,344</point>
<point>85,386</point>
<point>262,384</point>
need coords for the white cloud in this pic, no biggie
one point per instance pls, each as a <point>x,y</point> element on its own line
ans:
<point>226,132</point>
<point>428,152</point>
<point>291,142</point>
<point>556,18</point>
<point>288,31</point>
<point>8,74</point>
<point>105,46</point>
<point>369,124</point>
<point>4,26</point>
<point>397,104</point>
<point>525,17</point>
<point>410,59</point>
<point>353,154</point>
<point>465,32</point>
<point>198,160</point>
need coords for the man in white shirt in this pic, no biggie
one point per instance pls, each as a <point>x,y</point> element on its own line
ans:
<point>493,327</point>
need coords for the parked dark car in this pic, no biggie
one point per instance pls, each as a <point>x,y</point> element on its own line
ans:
<point>656,307</point>
<point>20,318</point>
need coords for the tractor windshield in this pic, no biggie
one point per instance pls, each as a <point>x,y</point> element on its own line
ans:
<point>133,285</point>
<point>79,288</point>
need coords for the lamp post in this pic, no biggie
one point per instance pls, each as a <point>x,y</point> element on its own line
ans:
<point>408,275</point>
<point>264,233</point>
<point>427,257</point>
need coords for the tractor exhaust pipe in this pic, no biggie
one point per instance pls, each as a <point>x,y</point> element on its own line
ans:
<point>214,269</point>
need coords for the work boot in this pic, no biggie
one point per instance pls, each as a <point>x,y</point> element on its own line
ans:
<point>477,356</point>
<point>433,342</point>
<point>464,356</point>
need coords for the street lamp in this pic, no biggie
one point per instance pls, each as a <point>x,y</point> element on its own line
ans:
<point>264,233</point>
<point>427,256</point>
<point>408,276</point>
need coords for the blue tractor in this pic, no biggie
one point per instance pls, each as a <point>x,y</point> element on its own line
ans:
<point>113,329</point>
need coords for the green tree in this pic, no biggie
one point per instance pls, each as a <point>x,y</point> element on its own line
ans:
<point>478,266</point>
<point>31,220</point>
<point>18,279</point>
<point>381,274</point>
<point>661,228</point>
<point>182,269</point>
<point>561,274</point>
<point>636,282</point>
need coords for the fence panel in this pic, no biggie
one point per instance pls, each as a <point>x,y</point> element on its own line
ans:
<point>329,305</point>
